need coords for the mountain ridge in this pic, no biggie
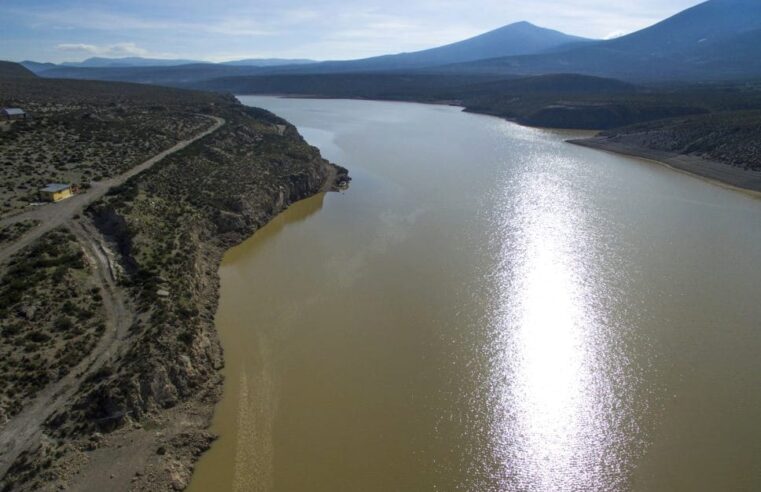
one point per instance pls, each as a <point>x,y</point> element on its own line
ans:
<point>713,40</point>
<point>140,62</point>
<point>516,38</point>
<point>512,39</point>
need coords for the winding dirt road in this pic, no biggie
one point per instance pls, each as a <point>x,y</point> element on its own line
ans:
<point>25,430</point>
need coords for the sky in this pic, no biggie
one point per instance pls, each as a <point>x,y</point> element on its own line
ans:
<point>222,30</point>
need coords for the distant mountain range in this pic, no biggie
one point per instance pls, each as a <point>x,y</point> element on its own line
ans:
<point>138,62</point>
<point>134,61</point>
<point>520,38</point>
<point>515,39</point>
<point>716,40</point>
<point>268,62</point>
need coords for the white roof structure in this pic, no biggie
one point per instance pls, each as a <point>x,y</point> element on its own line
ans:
<point>56,187</point>
<point>13,111</point>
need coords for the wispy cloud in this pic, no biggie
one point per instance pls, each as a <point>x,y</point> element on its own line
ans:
<point>109,50</point>
<point>319,29</point>
<point>105,21</point>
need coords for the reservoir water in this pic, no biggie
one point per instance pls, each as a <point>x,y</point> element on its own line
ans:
<point>488,308</point>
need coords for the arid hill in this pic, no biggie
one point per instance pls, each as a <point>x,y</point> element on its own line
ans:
<point>10,70</point>
<point>110,359</point>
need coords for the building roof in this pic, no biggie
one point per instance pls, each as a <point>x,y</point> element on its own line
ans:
<point>13,111</point>
<point>56,187</point>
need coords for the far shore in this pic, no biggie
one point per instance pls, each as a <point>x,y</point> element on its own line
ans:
<point>716,172</point>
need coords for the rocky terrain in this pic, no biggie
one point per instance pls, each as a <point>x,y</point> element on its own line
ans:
<point>132,414</point>
<point>733,138</point>
<point>722,147</point>
<point>80,141</point>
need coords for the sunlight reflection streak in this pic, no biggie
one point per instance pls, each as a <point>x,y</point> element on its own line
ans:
<point>547,397</point>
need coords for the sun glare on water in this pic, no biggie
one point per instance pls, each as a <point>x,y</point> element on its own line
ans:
<point>554,422</point>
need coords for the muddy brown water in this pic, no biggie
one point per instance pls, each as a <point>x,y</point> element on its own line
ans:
<point>488,308</point>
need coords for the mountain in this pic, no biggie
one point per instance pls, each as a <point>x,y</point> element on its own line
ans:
<point>267,62</point>
<point>154,71</point>
<point>718,39</point>
<point>694,29</point>
<point>37,67</point>
<point>715,40</point>
<point>515,39</point>
<point>520,38</point>
<point>99,62</point>
<point>11,70</point>
<point>179,75</point>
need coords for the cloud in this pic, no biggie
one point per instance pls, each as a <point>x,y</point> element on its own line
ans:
<point>111,50</point>
<point>93,19</point>
<point>319,29</point>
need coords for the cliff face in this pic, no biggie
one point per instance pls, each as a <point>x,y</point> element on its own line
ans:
<point>170,228</point>
<point>166,231</point>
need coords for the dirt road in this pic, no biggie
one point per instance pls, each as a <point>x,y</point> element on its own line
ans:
<point>55,214</point>
<point>25,430</point>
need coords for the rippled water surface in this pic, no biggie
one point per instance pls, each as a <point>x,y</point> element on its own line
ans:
<point>486,309</point>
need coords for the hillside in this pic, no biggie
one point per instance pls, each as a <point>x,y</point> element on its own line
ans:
<point>77,138</point>
<point>106,322</point>
<point>132,61</point>
<point>170,76</point>
<point>721,146</point>
<point>732,137</point>
<point>421,87</point>
<point>521,38</point>
<point>139,62</point>
<point>716,40</point>
<point>551,84</point>
<point>558,100</point>
<point>12,70</point>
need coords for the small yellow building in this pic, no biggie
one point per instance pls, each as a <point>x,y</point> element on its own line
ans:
<point>55,192</point>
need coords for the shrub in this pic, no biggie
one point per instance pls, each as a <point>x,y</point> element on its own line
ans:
<point>63,324</point>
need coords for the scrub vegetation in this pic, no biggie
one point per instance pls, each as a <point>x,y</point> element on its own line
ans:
<point>50,318</point>
<point>153,245</point>
<point>76,139</point>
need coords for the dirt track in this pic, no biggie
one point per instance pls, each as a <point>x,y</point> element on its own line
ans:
<point>56,214</point>
<point>24,430</point>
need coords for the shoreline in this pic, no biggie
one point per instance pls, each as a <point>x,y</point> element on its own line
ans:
<point>446,103</point>
<point>714,172</point>
<point>164,385</point>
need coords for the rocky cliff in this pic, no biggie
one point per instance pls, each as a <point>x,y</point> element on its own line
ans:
<point>166,231</point>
